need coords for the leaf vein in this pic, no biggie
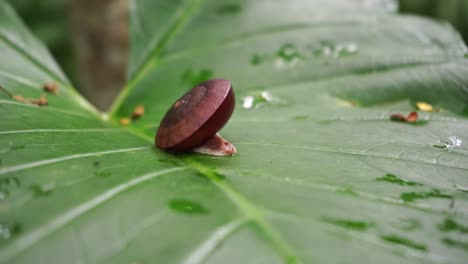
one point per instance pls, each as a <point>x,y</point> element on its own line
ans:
<point>35,236</point>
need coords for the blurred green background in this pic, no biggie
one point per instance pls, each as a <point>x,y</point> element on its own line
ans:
<point>49,20</point>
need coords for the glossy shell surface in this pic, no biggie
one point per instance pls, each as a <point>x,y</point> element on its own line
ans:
<point>196,116</point>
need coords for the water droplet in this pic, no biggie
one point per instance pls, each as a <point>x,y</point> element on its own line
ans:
<point>461,188</point>
<point>407,224</point>
<point>248,102</point>
<point>41,191</point>
<point>187,206</point>
<point>259,99</point>
<point>229,9</point>
<point>404,241</point>
<point>411,196</point>
<point>450,144</point>
<point>193,77</point>
<point>7,185</point>
<point>454,142</point>
<point>396,180</point>
<point>349,224</point>
<point>451,225</point>
<point>9,230</point>
<point>455,243</point>
<point>347,50</point>
<point>257,59</point>
<point>330,49</point>
<point>288,56</point>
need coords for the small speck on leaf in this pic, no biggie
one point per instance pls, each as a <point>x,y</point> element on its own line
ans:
<point>41,101</point>
<point>411,118</point>
<point>39,191</point>
<point>187,206</point>
<point>51,88</point>
<point>138,112</point>
<point>425,107</point>
<point>124,121</point>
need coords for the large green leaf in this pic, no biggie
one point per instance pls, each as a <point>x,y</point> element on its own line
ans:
<point>321,175</point>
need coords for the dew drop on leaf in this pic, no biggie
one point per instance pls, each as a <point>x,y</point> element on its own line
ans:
<point>461,188</point>
<point>407,224</point>
<point>9,230</point>
<point>41,191</point>
<point>331,49</point>
<point>187,206</point>
<point>7,186</point>
<point>288,56</point>
<point>260,99</point>
<point>454,142</point>
<point>451,143</point>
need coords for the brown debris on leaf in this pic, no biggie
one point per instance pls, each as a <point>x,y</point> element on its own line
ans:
<point>51,88</point>
<point>411,118</point>
<point>125,121</point>
<point>20,98</point>
<point>41,101</point>
<point>138,112</point>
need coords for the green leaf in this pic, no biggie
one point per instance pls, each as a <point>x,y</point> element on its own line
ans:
<point>316,83</point>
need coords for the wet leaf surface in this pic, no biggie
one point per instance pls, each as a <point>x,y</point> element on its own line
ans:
<point>322,174</point>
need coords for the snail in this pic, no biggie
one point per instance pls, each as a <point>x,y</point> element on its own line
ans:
<point>194,120</point>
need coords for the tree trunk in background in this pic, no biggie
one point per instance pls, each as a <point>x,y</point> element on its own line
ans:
<point>100,36</point>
